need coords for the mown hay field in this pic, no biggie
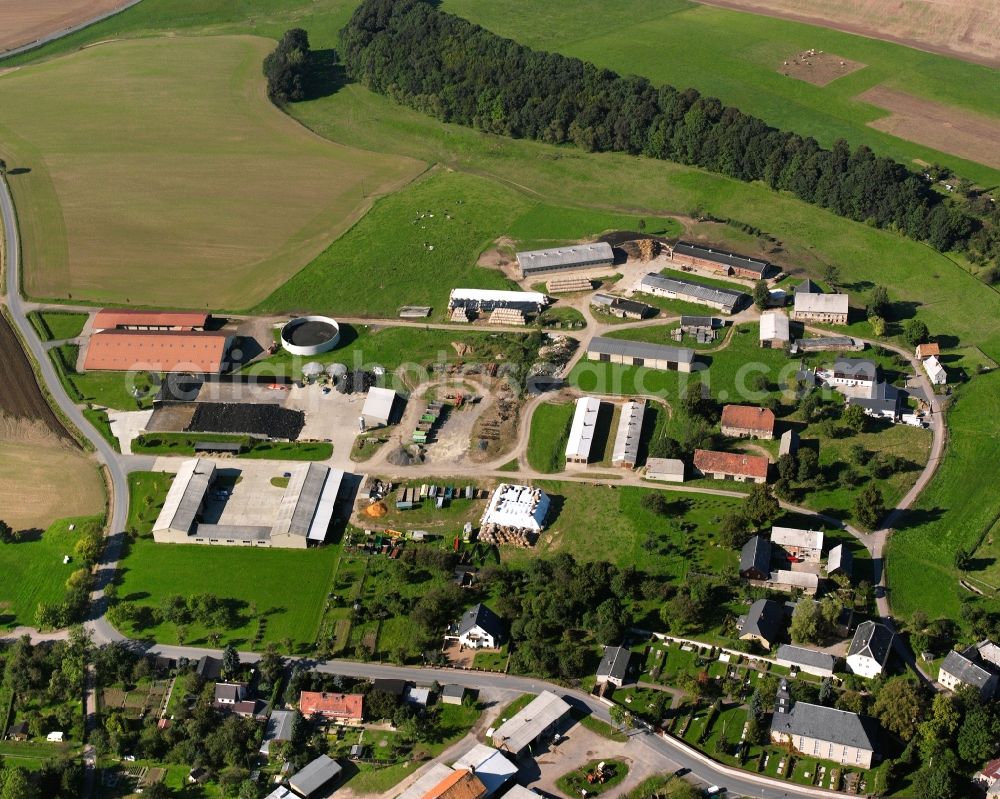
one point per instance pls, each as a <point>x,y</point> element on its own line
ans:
<point>161,174</point>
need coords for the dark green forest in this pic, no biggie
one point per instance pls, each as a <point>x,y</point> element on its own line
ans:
<point>445,66</point>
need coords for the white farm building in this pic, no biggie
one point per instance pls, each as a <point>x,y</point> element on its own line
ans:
<point>517,506</point>
<point>581,431</point>
<point>377,410</point>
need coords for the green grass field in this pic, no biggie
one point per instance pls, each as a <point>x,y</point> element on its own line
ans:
<point>34,570</point>
<point>153,571</point>
<point>107,389</point>
<point>199,193</point>
<point>608,522</point>
<point>959,509</point>
<point>57,325</point>
<point>945,295</point>
<point>735,56</point>
<point>550,425</point>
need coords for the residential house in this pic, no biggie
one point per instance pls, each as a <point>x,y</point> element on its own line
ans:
<point>972,666</point>
<point>775,331</point>
<point>480,628</point>
<point>829,309</point>
<point>935,371</point>
<point>852,372</point>
<point>670,470</point>
<point>747,421</point>
<point>18,732</point>
<point>808,660</point>
<point>452,694</point>
<point>799,545</point>
<point>882,401</point>
<point>765,622</point>
<point>234,697</point>
<point>870,649</point>
<point>209,668</point>
<point>394,688</point>
<point>731,466</point>
<point>824,732</point>
<point>927,350</point>
<point>755,559</point>
<point>988,778</point>
<point>342,708</point>
<point>278,728</point>
<point>788,580</point>
<point>840,560</point>
<point>317,775</point>
<point>616,667</point>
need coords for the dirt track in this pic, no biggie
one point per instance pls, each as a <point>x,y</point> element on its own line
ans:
<point>20,396</point>
<point>955,28</point>
<point>26,21</point>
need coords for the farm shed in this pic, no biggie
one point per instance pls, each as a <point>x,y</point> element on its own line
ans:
<point>626,451</point>
<point>158,351</point>
<point>829,308</point>
<point>722,261</point>
<point>581,258</point>
<point>581,431</point>
<point>670,470</point>
<point>639,353</point>
<point>377,410</point>
<point>539,719</point>
<point>774,330</point>
<point>487,300</point>
<point>675,288</point>
<point>134,319</point>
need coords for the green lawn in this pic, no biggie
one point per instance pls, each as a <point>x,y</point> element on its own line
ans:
<point>57,325</point>
<point>958,510</point>
<point>660,334</point>
<point>183,444</point>
<point>146,492</point>
<point>547,225</point>
<point>550,425</point>
<point>34,571</point>
<point>107,389</point>
<point>99,419</point>
<point>737,59</point>
<point>249,577</point>
<point>575,782</point>
<point>608,522</point>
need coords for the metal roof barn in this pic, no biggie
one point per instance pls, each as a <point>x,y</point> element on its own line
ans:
<point>581,432</point>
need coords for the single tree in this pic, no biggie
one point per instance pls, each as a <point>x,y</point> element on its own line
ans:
<point>877,324</point>
<point>734,530</point>
<point>869,507</point>
<point>6,532</point>
<point>807,623</point>
<point>832,275</point>
<point>3,167</point>
<point>962,559</point>
<point>808,465</point>
<point>979,735</point>
<point>878,303</point>
<point>899,707</point>
<point>854,417</point>
<point>230,661</point>
<point>915,332</point>
<point>761,296</point>
<point>761,507</point>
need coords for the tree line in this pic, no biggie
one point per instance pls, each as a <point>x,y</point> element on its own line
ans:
<point>454,70</point>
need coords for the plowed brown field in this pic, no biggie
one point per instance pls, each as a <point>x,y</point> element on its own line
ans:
<point>25,21</point>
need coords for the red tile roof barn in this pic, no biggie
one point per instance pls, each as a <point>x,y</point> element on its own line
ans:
<point>748,417</point>
<point>110,318</point>
<point>341,706</point>
<point>461,784</point>
<point>156,351</point>
<point>706,460</point>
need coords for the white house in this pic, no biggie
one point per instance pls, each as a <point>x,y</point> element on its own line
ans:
<point>935,371</point>
<point>480,628</point>
<point>870,649</point>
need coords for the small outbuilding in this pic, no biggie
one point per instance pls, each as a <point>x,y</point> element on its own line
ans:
<point>452,694</point>
<point>669,470</point>
<point>318,774</point>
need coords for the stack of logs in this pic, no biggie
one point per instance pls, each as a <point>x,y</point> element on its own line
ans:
<point>510,536</point>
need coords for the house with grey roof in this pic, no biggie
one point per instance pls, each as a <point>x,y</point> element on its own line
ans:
<point>755,559</point>
<point>808,660</point>
<point>969,667</point>
<point>840,560</point>
<point>824,732</point>
<point>617,666</point>
<point>480,628</point>
<point>870,649</point>
<point>640,353</point>
<point>765,623</point>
